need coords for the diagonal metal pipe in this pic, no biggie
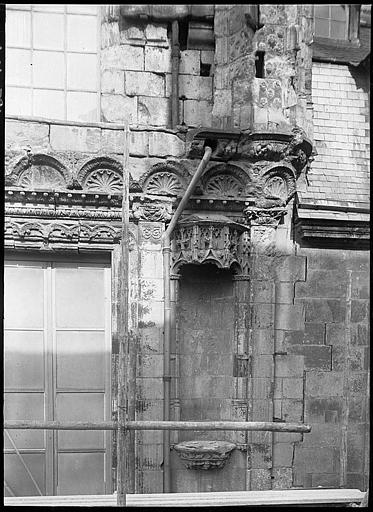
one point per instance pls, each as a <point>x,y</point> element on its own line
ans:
<point>166,252</point>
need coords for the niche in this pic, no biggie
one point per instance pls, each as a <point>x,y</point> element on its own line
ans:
<point>205,345</point>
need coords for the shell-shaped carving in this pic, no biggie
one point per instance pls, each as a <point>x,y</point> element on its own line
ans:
<point>224,185</point>
<point>104,180</point>
<point>41,176</point>
<point>276,187</point>
<point>164,183</point>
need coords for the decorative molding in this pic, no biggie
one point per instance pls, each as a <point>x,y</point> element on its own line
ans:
<point>204,454</point>
<point>224,180</point>
<point>271,146</point>
<point>151,232</point>
<point>164,183</point>
<point>216,240</point>
<point>38,171</point>
<point>262,216</point>
<point>165,178</point>
<point>49,232</point>
<point>152,210</point>
<point>104,180</point>
<point>101,174</point>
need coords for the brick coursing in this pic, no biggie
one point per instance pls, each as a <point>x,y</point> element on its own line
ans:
<point>339,174</point>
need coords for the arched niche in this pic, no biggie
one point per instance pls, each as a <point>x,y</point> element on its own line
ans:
<point>225,181</point>
<point>279,182</point>
<point>39,171</point>
<point>101,174</point>
<point>165,179</point>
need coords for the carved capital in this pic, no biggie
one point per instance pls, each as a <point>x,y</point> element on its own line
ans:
<point>262,216</point>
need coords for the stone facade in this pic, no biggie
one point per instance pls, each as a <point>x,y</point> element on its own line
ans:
<point>291,305</point>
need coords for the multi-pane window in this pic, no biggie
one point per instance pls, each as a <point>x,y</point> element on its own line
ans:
<point>52,64</point>
<point>331,21</point>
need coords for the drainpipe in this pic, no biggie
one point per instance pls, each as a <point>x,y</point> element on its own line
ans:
<point>166,252</point>
<point>175,58</point>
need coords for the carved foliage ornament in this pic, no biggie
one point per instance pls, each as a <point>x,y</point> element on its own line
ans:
<point>104,180</point>
<point>204,454</point>
<point>203,241</point>
<point>164,183</point>
<point>49,232</point>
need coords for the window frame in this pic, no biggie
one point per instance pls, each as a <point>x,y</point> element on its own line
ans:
<point>64,52</point>
<point>351,25</point>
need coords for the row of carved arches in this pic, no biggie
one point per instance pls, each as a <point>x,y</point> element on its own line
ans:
<point>104,175</point>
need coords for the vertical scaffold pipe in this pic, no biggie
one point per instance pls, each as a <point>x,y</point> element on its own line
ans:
<point>166,251</point>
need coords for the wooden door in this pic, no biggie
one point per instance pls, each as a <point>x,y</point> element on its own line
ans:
<point>57,367</point>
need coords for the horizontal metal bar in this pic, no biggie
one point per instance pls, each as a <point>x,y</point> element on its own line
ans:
<point>161,425</point>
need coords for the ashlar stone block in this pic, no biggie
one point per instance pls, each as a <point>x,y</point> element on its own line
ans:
<point>165,144</point>
<point>195,87</point>
<point>144,84</point>
<point>158,59</point>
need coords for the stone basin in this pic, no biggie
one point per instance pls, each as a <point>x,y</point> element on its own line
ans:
<point>204,454</point>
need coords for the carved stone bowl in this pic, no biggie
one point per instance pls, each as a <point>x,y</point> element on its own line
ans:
<point>204,454</point>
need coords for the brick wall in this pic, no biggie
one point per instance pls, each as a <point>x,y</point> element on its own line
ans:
<point>340,171</point>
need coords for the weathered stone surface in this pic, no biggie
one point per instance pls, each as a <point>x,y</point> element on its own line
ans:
<point>139,166</point>
<point>116,108</point>
<point>144,84</point>
<point>19,134</point>
<point>112,81</point>
<point>359,310</point>
<point>292,387</point>
<point>324,384</point>
<point>359,334</point>
<point>109,34</point>
<point>156,34</point>
<point>282,478</point>
<point>165,144</point>
<point>360,285</point>
<point>262,366</point>
<point>195,87</point>
<point>289,366</point>
<point>314,460</point>
<point>314,333</point>
<point>260,479</point>
<point>291,410</point>
<point>315,356</point>
<point>282,455</point>
<point>112,141</point>
<point>139,142</point>
<point>124,57</point>
<point>197,113</point>
<point>75,138</point>
<point>290,317</point>
<point>190,61</point>
<point>321,283</point>
<point>323,410</point>
<point>323,310</point>
<point>153,111</point>
<point>158,59</point>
